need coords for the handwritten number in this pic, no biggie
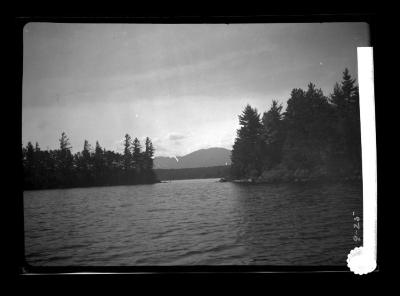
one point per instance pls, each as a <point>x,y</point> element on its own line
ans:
<point>356,238</point>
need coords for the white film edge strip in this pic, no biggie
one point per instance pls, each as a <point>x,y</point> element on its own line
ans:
<point>362,260</point>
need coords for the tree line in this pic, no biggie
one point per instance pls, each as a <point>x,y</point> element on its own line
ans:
<point>316,136</point>
<point>90,167</point>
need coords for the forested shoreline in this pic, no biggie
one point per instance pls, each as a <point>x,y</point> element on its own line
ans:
<point>317,137</point>
<point>59,168</point>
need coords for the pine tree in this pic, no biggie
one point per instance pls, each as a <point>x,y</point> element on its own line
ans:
<point>345,99</point>
<point>349,88</point>
<point>84,164</point>
<point>136,155</point>
<point>148,174</point>
<point>64,142</point>
<point>148,153</point>
<point>246,152</point>
<point>65,162</point>
<point>127,153</point>
<point>98,164</point>
<point>86,150</point>
<point>272,135</point>
<point>307,121</point>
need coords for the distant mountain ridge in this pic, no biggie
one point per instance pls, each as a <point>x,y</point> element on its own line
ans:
<point>200,158</point>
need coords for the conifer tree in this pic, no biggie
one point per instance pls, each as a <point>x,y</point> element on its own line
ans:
<point>84,164</point>
<point>345,99</point>
<point>127,153</point>
<point>98,163</point>
<point>136,154</point>
<point>307,121</point>
<point>65,161</point>
<point>246,152</point>
<point>148,153</point>
<point>272,135</point>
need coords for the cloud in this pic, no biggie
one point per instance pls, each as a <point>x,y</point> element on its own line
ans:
<point>176,137</point>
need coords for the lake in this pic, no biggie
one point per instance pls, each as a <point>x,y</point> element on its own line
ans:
<point>192,222</point>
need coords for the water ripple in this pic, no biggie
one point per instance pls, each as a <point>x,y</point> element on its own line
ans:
<point>192,222</point>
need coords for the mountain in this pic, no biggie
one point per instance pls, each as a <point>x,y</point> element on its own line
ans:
<point>199,158</point>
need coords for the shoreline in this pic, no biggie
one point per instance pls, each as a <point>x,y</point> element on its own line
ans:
<point>347,179</point>
<point>89,186</point>
<point>281,181</point>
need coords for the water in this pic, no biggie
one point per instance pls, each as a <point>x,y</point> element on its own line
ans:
<point>192,222</point>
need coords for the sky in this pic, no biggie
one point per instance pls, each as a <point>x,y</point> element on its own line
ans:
<point>182,85</point>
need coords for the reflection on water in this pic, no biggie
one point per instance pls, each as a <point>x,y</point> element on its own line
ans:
<point>192,222</point>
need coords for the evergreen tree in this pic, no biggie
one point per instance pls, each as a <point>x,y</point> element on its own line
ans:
<point>37,148</point>
<point>30,153</point>
<point>353,132</point>
<point>272,136</point>
<point>350,90</point>
<point>136,155</point>
<point>148,154</point>
<point>65,161</point>
<point>83,162</point>
<point>127,153</point>
<point>86,150</point>
<point>345,99</point>
<point>98,164</point>
<point>307,121</point>
<point>148,174</point>
<point>246,153</point>
<point>64,142</point>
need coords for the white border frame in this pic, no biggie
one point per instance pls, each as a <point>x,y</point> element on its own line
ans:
<point>362,260</point>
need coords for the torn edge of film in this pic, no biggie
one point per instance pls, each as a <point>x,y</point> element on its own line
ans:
<point>362,260</point>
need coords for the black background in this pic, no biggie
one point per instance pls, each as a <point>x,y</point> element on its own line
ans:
<point>191,280</point>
